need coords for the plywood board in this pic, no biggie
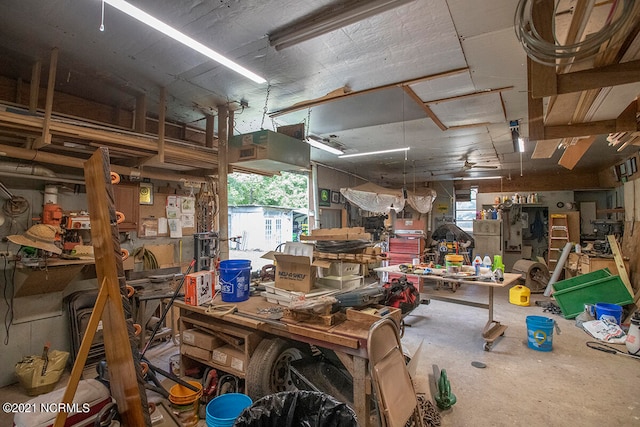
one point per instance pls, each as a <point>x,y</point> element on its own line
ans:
<point>545,148</point>
<point>574,153</point>
<point>164,254</point>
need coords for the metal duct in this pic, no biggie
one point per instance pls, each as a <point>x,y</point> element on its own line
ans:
<point>25,169</point>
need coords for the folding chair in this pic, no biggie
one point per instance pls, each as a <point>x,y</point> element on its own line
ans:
<point>395,396</point>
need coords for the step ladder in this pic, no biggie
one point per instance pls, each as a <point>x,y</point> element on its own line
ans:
<point>558,238</point>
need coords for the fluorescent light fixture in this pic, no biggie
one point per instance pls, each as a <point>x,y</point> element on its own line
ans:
<point>330,19</point>
<point>477,178</point>
<point>314,141</point>
<point>165,29</point>
<point>371,153</point>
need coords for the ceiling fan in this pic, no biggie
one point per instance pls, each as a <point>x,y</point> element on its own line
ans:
<point>471,165</point>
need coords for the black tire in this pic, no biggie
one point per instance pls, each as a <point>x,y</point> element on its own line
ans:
<point>268,369</point>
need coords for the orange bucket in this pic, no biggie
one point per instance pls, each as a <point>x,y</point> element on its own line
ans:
<point>185,402</point>
<point>181,395</point>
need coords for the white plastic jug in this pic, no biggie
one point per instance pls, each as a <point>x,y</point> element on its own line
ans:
<point>633,336</point>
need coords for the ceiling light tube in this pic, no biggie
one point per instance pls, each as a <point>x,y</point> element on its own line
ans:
<point>165,29</point>
<point>370,153</point>
<point>330,20</point>
<point>476,178</point>
<point>314,141</point>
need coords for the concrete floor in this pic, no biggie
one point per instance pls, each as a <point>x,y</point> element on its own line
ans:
<point>570,386</point>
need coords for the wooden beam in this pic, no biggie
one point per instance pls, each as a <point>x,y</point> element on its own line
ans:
<point>595,78</point>
<point>544,76</point>
<point>111,138</point>
<point>45,139</point>
<point>536,108</point>
<point>34,89</point>
<point>208,136</point>
<point>407,89</point>
<point>320,101</point>
<point>74,162</point>
<point>469,95</point>
<point>625,122</point>
<point>223,162</point>
<point>573,153</point>
<point>162,111</point>
<point>601,127</point>
<point>83,353</point>
<point>627,119</point>
<point>622,270</point>
<point>123,375</point>
<point>140,118</point>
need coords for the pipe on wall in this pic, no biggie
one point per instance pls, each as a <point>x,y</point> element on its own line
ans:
<point>60,160</point>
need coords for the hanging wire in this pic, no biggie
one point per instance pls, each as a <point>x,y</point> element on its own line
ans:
<point>264,110</point>
<point>102,17</point>
<point>547,53</point>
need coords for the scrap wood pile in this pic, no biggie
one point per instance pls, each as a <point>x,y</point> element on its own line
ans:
<point>348,244</point>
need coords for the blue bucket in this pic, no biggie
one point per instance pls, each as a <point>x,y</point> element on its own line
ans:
<point>540,333</point>
<point>235,276</point>
<point>608,311</point>
<point>224,409</point>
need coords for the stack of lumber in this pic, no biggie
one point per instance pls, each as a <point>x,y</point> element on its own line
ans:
<point>347,233</point>
<point>367,255</point>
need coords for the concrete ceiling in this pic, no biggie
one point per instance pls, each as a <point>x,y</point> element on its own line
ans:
<point>421,38</point>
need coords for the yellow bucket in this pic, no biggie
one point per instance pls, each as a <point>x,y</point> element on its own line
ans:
<point>453,263</point>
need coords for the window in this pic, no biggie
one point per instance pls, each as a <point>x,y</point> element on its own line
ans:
<point>268,230</point>
<point>278,231</point>
<point>466,211</point>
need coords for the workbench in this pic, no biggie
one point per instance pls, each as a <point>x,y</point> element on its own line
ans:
<point>493,329</point>
<point>348,339</point>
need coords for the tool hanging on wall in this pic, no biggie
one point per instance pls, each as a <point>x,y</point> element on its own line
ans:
<point>167,308</point>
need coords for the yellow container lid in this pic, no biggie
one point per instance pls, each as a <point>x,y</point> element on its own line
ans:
<point>454,258</point>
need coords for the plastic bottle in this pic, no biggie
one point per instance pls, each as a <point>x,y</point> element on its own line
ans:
<point>477,263</point>
<point>633,336</point>
<point>486,261</point>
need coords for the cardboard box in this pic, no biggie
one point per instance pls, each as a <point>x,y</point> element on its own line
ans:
<point>295,273</point>
<point>229,356</point>
<point>201,339</point>
<point>342,282</point>
<point>341,268</point>
<point>197,352</point>
<point>198,288</point>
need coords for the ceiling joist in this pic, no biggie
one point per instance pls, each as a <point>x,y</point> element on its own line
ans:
<point>315,102</point>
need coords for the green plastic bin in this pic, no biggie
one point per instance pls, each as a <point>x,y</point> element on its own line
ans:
<point>580,279</point>
<point>598,286</point>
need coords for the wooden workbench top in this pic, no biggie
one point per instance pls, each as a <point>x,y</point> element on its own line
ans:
<point>346,333</point>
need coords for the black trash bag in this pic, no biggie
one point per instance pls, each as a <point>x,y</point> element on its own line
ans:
<point>297,409</point>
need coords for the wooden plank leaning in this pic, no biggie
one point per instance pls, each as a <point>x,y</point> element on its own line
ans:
<point>126,382</point>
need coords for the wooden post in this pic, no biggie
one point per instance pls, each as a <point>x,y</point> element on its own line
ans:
<point>45,138</point>
<point>119,342</point>
<point>140,118</point>
<point>223,194</point>
<point>34,90</point>
<point>208,142</point>
<point>161,123</point>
